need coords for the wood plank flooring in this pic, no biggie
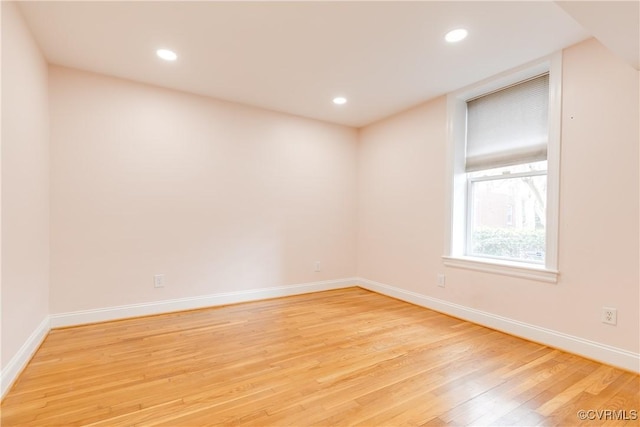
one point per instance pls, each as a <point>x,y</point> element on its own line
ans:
<point>337,358</point>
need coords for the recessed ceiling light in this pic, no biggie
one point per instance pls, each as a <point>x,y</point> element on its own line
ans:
<point>166,54</point>
<point>339,100</point>
<point>456,35</point>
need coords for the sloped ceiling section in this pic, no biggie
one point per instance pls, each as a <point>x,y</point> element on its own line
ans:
<point>616,24</point>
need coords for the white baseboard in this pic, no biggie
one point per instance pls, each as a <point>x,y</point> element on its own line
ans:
<point>190,303</point>
<point>21,358</point>
<point>601,352</point>
<point>18,362</point>
<point>593,350</point>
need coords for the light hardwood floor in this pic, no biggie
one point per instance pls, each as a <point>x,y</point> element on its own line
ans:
<point>345,357</point>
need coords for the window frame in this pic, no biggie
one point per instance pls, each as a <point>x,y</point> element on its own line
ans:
<point>457,204</point>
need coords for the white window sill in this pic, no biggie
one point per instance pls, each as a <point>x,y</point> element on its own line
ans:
<point>505,268</point>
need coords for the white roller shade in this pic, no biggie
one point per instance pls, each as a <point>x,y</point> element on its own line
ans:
<point>509,126</point>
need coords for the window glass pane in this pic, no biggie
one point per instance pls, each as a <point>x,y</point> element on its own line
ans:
<point>507,218</point>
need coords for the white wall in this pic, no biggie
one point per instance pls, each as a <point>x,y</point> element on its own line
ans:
<point>599,183</point>
<point>401,214</point>
<point>25,189</point>
<point>217,196</point>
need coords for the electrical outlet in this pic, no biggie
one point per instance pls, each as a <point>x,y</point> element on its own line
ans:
<point>317,266</point>
<point>609,315</point>
<point>441,280</point>
<point>158,281</point>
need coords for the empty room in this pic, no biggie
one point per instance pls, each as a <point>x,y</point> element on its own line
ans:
<point>379,213</point>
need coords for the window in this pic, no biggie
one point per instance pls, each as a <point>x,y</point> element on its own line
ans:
<point>504,161</point>
<point>493,231</point>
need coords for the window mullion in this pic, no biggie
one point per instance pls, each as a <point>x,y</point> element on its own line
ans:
<point>506,176</point>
